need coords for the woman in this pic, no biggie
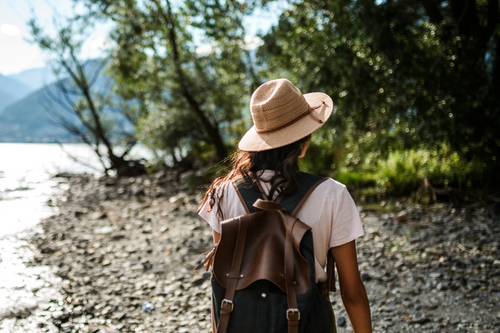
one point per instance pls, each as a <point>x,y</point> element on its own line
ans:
<point>284,119</point>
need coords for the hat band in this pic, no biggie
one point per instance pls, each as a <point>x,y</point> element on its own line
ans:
<point>308,112</point>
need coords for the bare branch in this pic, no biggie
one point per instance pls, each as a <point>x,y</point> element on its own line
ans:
<point>98,71</point>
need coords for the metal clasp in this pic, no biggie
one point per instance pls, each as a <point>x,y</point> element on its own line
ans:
<point>292,311</point>
<point>230,302</point>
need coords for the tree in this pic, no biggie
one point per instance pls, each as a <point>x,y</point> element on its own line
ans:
<point>406,73</point>
<point>82,104</point>
<point>194,96</point>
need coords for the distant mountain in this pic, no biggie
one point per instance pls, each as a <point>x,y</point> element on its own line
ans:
<point>11,90</point>
<point>35,78</point>
<point>6,99</point>
<point>27,120</point>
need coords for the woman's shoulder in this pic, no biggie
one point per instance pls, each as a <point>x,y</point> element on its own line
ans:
<point>331,187</point>
<point>223,187</point>
<point>328,182</point>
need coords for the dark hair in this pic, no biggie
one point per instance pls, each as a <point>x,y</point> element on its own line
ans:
<point>284,161</point>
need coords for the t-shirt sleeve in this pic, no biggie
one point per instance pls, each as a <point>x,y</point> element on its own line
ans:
<point>346,224</point>
<point>210,215</point>
<point>231,207</point>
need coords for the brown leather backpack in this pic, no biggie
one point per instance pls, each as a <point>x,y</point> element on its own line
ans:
<point>264,267</point>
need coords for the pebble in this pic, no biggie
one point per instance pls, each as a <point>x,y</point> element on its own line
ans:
<point>341,322</point>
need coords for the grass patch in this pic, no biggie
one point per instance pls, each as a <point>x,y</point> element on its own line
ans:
<point>405,173</point>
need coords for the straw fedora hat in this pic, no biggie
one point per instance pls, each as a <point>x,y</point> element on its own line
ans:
<point>282,114</point>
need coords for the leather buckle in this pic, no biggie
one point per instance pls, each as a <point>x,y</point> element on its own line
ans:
<point>226,301</point>
<point>292,311</point>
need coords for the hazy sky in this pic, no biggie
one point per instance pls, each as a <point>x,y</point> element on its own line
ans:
<point>17,55</point>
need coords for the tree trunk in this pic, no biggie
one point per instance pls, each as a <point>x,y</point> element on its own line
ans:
<point>211,130</point>
<point>126,168</point>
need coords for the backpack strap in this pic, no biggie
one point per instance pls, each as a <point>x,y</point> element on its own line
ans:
<point>292,313</point>
<point>227,303</point>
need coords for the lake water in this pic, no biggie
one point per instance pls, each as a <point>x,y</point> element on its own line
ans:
<point>27,181</point>
<point>26,185</point>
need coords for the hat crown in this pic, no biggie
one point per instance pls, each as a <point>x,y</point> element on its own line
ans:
<point>275,104</point>
<point>282,114</point>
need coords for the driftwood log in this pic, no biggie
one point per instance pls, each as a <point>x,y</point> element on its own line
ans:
<point>462,198</point>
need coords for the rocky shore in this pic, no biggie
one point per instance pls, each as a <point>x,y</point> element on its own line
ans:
<point>126,249</point>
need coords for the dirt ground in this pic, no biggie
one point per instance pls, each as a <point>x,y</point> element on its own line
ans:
<point>125,252</point>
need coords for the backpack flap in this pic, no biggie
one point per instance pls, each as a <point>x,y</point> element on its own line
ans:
<point>262,258</point>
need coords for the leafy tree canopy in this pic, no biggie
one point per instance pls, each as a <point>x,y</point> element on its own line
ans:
<point>158,55</point>
<point>405,73</point>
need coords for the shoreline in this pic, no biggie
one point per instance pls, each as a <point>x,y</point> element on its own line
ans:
<point>116,247</point>
<point>117,243</point>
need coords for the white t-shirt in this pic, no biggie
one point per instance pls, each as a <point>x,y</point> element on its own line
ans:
<point>329,210</point>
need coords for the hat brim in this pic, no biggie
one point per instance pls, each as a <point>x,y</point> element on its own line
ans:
<point>253,141</point>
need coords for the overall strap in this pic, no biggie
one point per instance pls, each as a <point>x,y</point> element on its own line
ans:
<point>330,272</point>
<point>249,191</point>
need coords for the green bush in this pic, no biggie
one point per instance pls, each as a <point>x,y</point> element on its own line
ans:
<point>399,172</point>
<point>405,171</point>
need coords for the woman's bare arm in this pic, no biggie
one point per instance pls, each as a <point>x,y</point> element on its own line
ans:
<point>352,289</point>
<point>216,237</point>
